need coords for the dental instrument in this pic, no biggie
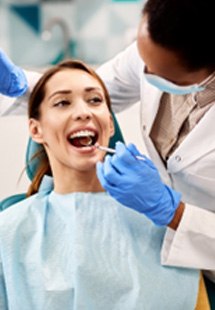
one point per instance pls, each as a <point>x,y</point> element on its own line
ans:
<point>113,151</point>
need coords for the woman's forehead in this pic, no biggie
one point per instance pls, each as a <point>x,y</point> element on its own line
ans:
<point>75,78</point>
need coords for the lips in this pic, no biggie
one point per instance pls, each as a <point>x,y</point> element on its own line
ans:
<point>83,138</point>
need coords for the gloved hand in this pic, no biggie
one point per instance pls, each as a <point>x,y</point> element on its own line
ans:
<point>13,82</point>
<point>136,184</point>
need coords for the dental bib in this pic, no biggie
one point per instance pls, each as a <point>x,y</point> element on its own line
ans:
<point>86,251</point>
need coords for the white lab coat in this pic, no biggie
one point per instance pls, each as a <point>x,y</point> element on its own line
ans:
<point>190,169</point>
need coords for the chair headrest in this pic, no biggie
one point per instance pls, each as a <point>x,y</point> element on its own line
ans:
<point>31,162</point>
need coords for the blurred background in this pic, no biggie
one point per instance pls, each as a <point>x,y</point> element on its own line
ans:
<point>37,33</point>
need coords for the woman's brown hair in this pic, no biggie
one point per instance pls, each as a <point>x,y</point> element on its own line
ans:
<point>35,100</point>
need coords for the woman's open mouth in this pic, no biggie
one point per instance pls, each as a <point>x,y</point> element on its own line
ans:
<point>83,138</point>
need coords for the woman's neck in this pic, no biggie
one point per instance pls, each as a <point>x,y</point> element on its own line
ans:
<point>77,181</point>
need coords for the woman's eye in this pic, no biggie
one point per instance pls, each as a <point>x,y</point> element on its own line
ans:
<point>61,103</point>
<point>95,100</point>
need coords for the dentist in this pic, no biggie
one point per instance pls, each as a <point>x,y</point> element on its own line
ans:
<point>171,70</point>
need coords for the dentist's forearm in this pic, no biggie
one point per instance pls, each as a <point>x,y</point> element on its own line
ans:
<point>177,217</point>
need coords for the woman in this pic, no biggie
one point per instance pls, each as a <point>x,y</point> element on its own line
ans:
<point>70,245</point>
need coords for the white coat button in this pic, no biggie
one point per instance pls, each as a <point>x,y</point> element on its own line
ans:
<point>178,158</point>
<point>144,127</point>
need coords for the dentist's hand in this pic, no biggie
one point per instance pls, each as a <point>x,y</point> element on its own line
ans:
<point>137,184</point>
<point>13,82</point>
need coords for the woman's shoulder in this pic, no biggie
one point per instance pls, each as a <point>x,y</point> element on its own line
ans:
<point>15,214</point>
<point>28,208</point>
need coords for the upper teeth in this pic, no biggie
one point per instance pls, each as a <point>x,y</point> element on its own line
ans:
<point>82,133</point>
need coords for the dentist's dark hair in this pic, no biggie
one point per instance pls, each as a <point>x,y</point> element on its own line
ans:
<point>186,27</point>
<point>34,111</point>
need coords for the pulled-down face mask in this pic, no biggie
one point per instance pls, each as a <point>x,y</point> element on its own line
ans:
<point>172,88</point>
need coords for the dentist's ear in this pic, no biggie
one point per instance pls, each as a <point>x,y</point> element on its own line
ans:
<point>35,130</point>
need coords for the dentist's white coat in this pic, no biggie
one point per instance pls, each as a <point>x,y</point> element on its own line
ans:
<point>190,169</point>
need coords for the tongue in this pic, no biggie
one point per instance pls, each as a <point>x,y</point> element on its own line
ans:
<point>83,141</point>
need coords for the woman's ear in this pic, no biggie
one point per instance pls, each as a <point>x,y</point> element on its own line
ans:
<point>112,128</point>
<point>35,130</point>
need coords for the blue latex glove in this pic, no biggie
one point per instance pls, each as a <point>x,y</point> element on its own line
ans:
<point>136,184</point>
<point>13,82</point>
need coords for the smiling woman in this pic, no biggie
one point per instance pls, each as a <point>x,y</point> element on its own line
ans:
<point>70,245</point>
<point>69,111</point>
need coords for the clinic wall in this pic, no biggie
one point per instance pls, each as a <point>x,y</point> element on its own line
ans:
<point>97,29</point>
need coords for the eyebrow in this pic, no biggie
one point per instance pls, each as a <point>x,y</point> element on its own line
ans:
<point>89,89</point>
<point>66,92</point>
<point>60,92</point>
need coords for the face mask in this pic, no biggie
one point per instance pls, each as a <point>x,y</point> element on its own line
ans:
<point>171,88</point>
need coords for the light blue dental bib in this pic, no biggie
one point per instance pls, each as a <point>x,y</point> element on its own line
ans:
<point>86,251</point>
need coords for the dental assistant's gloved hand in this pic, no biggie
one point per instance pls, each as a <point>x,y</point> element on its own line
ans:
<point>136,184</point>
<point>13,82</point>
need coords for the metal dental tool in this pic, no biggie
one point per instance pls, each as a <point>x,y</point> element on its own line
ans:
<point>112,151</point>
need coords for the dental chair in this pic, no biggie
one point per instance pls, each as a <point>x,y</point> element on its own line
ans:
<point>31,167</point>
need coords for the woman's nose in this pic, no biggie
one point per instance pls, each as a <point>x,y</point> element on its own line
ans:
<point>81,111</point>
